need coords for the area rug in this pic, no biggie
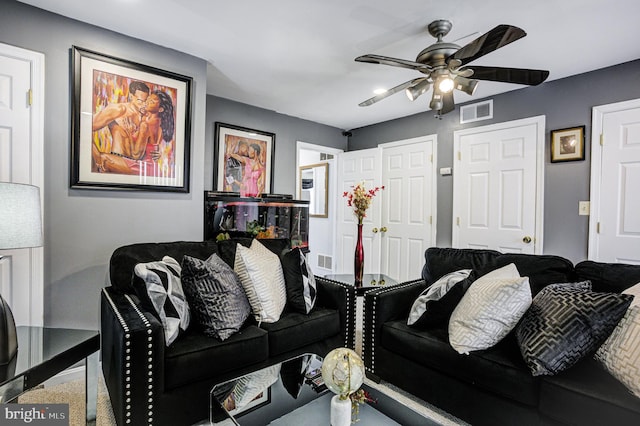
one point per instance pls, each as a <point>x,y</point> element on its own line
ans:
<point>72,393</point>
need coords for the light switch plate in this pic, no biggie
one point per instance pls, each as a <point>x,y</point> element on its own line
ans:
<point>445,171</point>
<point>584,208</point>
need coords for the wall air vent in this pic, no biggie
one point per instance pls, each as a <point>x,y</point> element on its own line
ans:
<point>324,156</point>
<point>476,112</point>
<point>325,261</point>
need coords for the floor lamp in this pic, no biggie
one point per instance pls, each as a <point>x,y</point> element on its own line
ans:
<point>20,227</point>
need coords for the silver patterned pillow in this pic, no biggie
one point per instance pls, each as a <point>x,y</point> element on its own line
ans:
<point>564,324</point>
<point>620,354</point>
<point>216,297</point>
<point>261,276</point>
<point>489,310</point>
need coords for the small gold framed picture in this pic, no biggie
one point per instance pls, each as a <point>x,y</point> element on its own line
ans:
<point>567,144</point>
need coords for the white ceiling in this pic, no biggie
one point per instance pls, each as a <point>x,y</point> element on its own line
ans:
<point>296,57</point>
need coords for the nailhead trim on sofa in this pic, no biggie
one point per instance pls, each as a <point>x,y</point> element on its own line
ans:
<point>145,321</point>
<point>350,315</point>
<point>127,343</point>
<point>377,292</point>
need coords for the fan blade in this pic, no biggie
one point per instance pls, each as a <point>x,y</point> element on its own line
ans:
<point>390,92</point>
<point>498,37</point>
<point>394,62</point>
<point>510,75</point>
<point>447,103</point>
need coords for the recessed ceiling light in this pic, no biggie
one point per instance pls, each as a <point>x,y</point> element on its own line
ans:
<point>379,91</point>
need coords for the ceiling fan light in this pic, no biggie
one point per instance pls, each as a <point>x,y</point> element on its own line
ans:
<point>466,85</point>
<point>414,91</point>
<point>445,84</point>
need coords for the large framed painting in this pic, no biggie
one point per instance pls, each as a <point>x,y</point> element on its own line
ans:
<point>131,125</point>
<point>244,159</point>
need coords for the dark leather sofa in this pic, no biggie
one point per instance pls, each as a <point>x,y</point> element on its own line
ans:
<point>150,383</point>
<point>494,386</point>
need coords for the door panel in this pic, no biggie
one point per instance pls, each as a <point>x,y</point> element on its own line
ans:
<point>619,199</point>
<point>408,203</point>
<point>21,281</point>
<point>496,187</point>
<point>354,167</point>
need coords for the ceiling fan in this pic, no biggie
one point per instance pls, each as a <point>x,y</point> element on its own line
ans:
<point>445,67</point>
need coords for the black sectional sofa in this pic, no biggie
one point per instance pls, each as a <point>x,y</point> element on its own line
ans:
<point>152,384</point>
<point>494,386</point>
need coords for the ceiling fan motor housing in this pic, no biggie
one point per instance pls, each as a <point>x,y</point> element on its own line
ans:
<point>436,55</point>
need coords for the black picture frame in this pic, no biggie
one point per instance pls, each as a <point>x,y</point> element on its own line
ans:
<point>228,138</point>
<point>567,144</point>
<point>127,140</point>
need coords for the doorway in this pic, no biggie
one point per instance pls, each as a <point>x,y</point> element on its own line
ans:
<point>614,224</point>
<point>321,241</point>
<point>21,161</point>
<point>498,186</point>
<point>400,223</point>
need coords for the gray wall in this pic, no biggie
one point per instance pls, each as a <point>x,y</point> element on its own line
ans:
<point>566,103</point>
<point>288,131</point>
<point>83,227</point>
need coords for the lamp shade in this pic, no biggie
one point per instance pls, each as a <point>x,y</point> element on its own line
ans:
<point>20,217</point>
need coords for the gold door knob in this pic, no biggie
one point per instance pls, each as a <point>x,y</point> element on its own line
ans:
<point>526,239</point>
<point>374,230</point>
<point>383,229</point>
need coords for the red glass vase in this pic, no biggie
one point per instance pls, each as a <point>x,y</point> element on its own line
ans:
<point>358,259</point>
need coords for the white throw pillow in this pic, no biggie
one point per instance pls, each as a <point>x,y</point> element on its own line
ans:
<point>620,353</point>
<point>261,276</point>
<point>489,310</point>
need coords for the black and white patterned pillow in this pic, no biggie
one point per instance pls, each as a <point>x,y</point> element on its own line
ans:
<point>164,288</point>
<point>566,323</point>
<point>216,297</point>
<point>426,309</point>
<point>299,281</point>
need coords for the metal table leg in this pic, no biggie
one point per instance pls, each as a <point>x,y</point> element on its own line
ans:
<point>91,387</point>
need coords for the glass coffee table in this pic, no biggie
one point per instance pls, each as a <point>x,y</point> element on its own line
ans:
<point>44,352</point>
<point>292,393</point>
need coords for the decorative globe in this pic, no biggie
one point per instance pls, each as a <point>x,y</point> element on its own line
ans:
<point>343,371</point>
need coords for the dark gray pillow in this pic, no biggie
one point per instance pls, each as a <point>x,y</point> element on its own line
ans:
<point>565,323</point>
<point>216,297</point>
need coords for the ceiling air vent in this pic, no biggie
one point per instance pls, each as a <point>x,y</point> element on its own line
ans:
<point>476,112</point>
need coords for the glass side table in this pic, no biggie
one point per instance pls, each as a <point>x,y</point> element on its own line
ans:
<point>369,281</point>
<point>44,352</point>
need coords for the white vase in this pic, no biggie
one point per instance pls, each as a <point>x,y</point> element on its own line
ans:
<point>340,411</point>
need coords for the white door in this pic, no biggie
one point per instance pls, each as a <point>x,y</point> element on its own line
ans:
<point>497,187</point>
<point>615,172</point>
<point>21,150</point>
<point>408,223</point>
<point>354,167</point>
